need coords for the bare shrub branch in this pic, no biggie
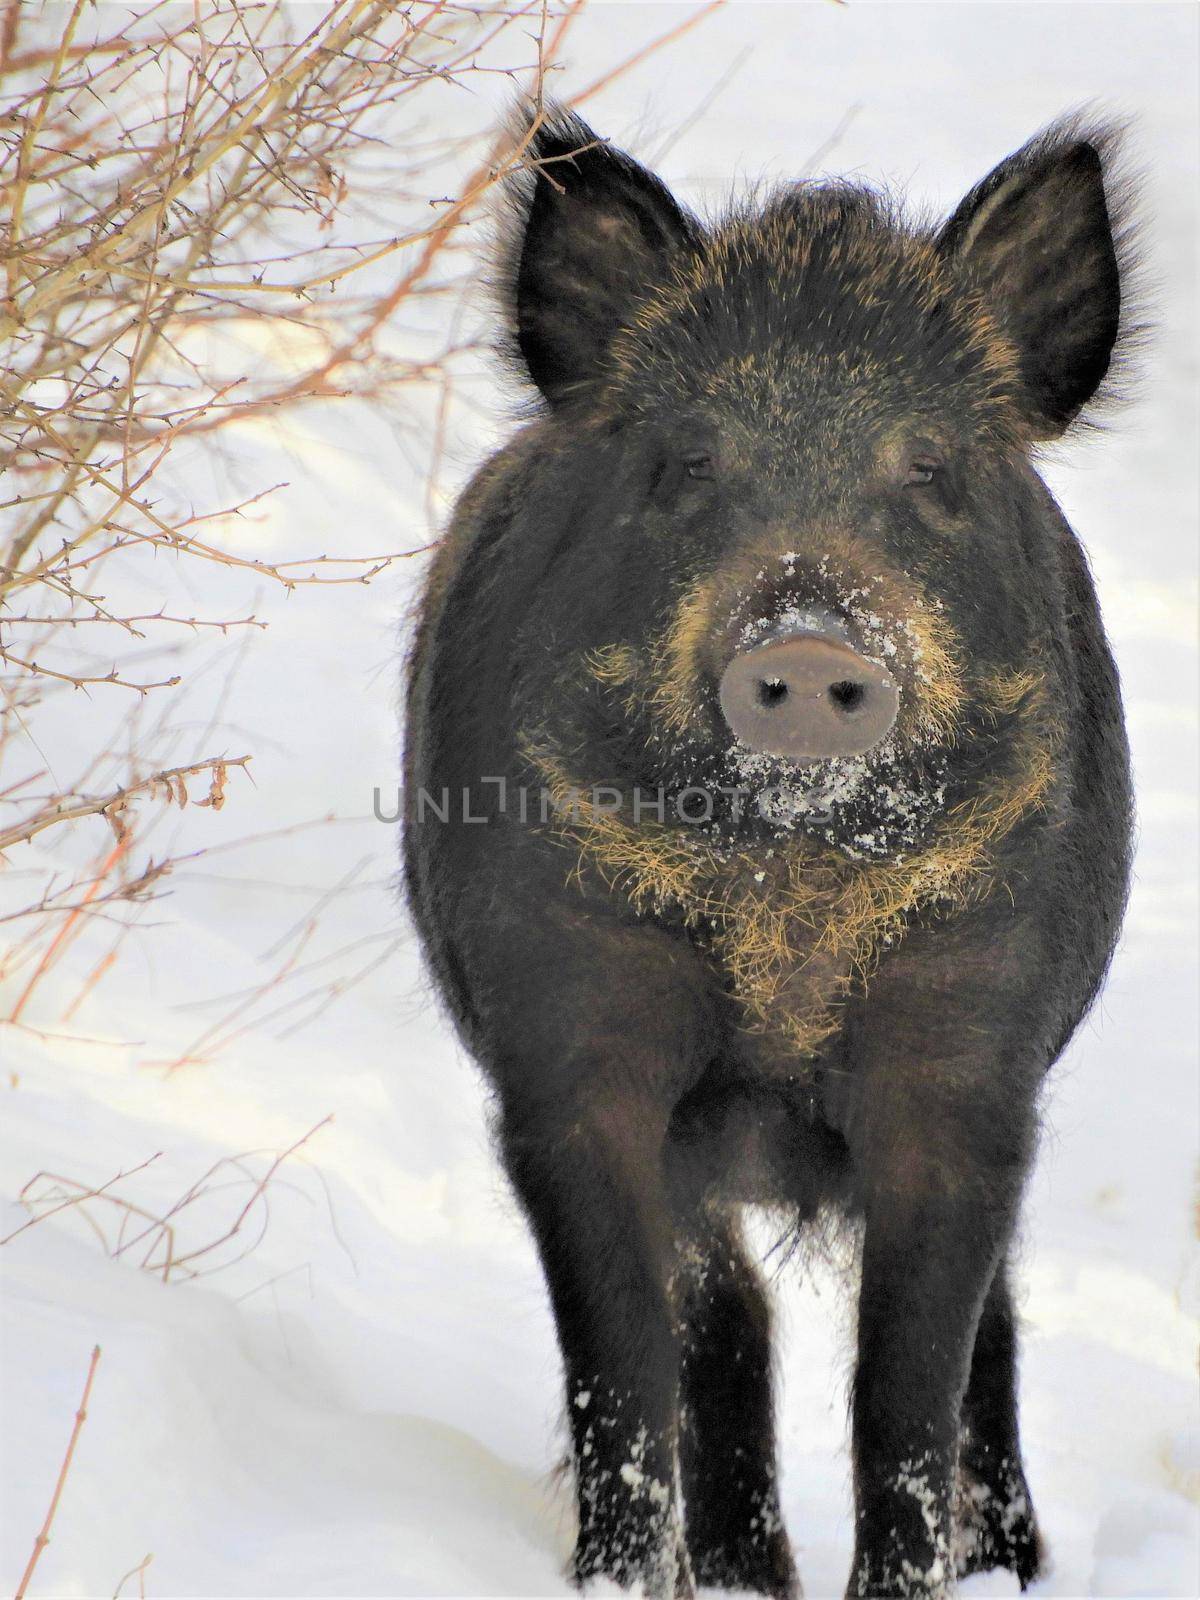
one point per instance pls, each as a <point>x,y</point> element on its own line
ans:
<point>43,1538</point>
<point>151,1237</point>
<point>211,216</point>
<point>179,187</point>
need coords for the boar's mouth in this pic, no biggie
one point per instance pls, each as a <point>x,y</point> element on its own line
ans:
<point>957,737</point>
<point>917,730</point>
<point>868,649</point>
<point>839,688</point>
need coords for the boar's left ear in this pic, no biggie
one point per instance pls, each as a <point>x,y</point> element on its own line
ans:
<point>1037,237</point>
<point>592,232</point>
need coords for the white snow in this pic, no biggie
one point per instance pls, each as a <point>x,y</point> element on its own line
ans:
<point>369,1403</point>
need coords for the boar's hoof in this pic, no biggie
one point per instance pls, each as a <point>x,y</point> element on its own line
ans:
<point>808,696</point>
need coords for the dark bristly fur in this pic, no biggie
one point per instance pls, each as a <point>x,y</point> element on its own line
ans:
<point>846,1006</point>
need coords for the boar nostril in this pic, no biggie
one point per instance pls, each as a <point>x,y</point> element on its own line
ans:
<point>771,691</point>
<point>848,696</point>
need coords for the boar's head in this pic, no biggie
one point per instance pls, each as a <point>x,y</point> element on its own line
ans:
<point>803,551</point>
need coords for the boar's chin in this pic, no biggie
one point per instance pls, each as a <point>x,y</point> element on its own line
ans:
<point>881,804</point>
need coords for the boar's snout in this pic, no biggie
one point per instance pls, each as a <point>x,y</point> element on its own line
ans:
<point>808,696</point>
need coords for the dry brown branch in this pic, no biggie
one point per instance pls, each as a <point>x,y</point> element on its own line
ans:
<point>43,1538</point>
<point>167,785</point>
<point>80,680</point>
<point>138,1572</point>
<point>649,50</point>
<point>72,921</point>
<point>211,216</point>
<point>181,191</point>
<point>113,882</point>
<point>125,1227</point>
<point>74,1199</point>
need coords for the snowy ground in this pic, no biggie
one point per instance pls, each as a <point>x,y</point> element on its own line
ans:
<point>368,1403</point>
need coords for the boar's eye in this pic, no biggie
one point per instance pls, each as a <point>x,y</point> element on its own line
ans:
<point>700,464</point>
<point>922,470</point>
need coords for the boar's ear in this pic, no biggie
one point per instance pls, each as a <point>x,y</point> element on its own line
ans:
<point>592,232</point>
<point>1037,237</point>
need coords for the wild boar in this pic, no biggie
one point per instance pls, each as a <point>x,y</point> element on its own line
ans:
<point>768,816</point>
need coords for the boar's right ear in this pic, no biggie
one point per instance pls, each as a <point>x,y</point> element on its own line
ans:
<point>593,231</point>
<point>1037,236</point>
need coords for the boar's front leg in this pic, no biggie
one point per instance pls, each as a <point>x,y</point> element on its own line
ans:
<point>941,1153</point>
<point>585,1110</point>
<point>586,1176</point>
<point>996,1526</point>
<point>735,1531</point>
